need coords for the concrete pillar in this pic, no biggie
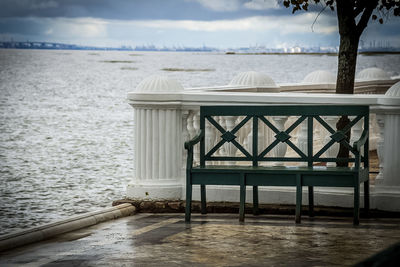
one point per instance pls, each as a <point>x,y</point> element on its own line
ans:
<point>391,147</point>
<point>158,142</point>
<point>390,119</point>
<point>379,148</point>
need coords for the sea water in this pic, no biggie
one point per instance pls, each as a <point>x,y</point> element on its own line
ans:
<point>66,130</point>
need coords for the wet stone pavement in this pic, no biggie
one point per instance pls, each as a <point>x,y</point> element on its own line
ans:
<point>212,240</point>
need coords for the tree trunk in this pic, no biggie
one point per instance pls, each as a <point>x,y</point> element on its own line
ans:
<point>347,64</point>
<point>345,82</point>
<point>349,38</point>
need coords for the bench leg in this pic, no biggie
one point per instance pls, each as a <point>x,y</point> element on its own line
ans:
<point>242,197</point>
<point>366,198</point>
<point>188,201</point>
<point>356,219</point>
<point>311,201</point>
<point>203,199</point>
<point>299,194</point>
<point>255,200</point>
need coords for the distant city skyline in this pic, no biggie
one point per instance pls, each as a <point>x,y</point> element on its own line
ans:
<point>373,46</point>
<point>221,24</point>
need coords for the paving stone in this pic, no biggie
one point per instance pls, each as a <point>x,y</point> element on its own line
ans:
<point>213,240</point>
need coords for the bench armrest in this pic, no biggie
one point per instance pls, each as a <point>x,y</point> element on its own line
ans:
<point>189,144</point>
<point>363,139</point>
<point>189,147</point>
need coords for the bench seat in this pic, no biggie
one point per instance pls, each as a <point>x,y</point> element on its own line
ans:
<point>273,169</point>
<point>235,170</point>
<point>279,175</point>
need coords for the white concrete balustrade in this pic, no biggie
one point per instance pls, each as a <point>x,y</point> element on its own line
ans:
<point>165,115</point>
<point>158,143</point>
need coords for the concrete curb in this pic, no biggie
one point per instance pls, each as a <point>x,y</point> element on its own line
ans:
<point>46,231</point>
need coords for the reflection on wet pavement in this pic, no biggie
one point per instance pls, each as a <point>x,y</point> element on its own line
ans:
<point>213,240</point>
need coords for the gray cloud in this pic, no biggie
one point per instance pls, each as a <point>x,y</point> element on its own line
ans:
<point>137,9</point>
<point>173,21</point>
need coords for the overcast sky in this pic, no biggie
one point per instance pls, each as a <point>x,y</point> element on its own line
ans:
<point>217,23</point>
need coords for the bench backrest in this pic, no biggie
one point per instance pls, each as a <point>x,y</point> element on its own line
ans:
<point>258,115</point>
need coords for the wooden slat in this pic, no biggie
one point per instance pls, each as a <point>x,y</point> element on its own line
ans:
<point>214,149</point>
<point>241,124</point>
<point>269,124</point>
<point>325,148</point>
<point>268,149</point>
<point>296,149</point>
<point>295,124</point>
<point>352,123</point>
<point>255,140</point>
<point>216,124</point>
<point>349,147</point>
<point>220,158</point>
<point>242,149</point>
<point>326,125</point>
<point>310,135</point>
<point>285,110</point>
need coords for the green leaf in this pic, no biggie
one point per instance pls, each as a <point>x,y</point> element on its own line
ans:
<point>286,3</point>
<point>396,11</point>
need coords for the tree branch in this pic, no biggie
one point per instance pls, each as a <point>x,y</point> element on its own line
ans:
<point>315,20</point>
<point>366,15</point>
<point>358,10</point>
<point>345,15</point>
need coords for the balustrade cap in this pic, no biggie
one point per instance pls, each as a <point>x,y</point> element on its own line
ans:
<point>245,98</point>
<point>159,84</point>
<point>320,77</point>
<point>372,74</point>
<point>394,90</point>
<point>253,78</point>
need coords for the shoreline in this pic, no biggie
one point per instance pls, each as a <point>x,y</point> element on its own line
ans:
<point>366,53</point>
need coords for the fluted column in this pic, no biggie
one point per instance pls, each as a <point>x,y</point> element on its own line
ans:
<point>389,116</point>
<point>158,140</point>
<point>158,154</point>
<point>391,145</point>
<point>380,119</point>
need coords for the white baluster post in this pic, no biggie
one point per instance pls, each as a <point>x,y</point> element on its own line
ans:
<point>196,126</point>
<point>334,149</point>
<point>302,140</point>
<point>281,148</point>
<point>222,150</point>
<point>231,149</point>
<point>356,132</point>
<point>209,137</point>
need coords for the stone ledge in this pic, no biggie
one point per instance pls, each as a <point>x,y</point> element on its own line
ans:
<point>178,206</point>
<point>46,231</point>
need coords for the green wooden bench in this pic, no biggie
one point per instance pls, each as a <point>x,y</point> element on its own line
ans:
<point>234,172</point>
